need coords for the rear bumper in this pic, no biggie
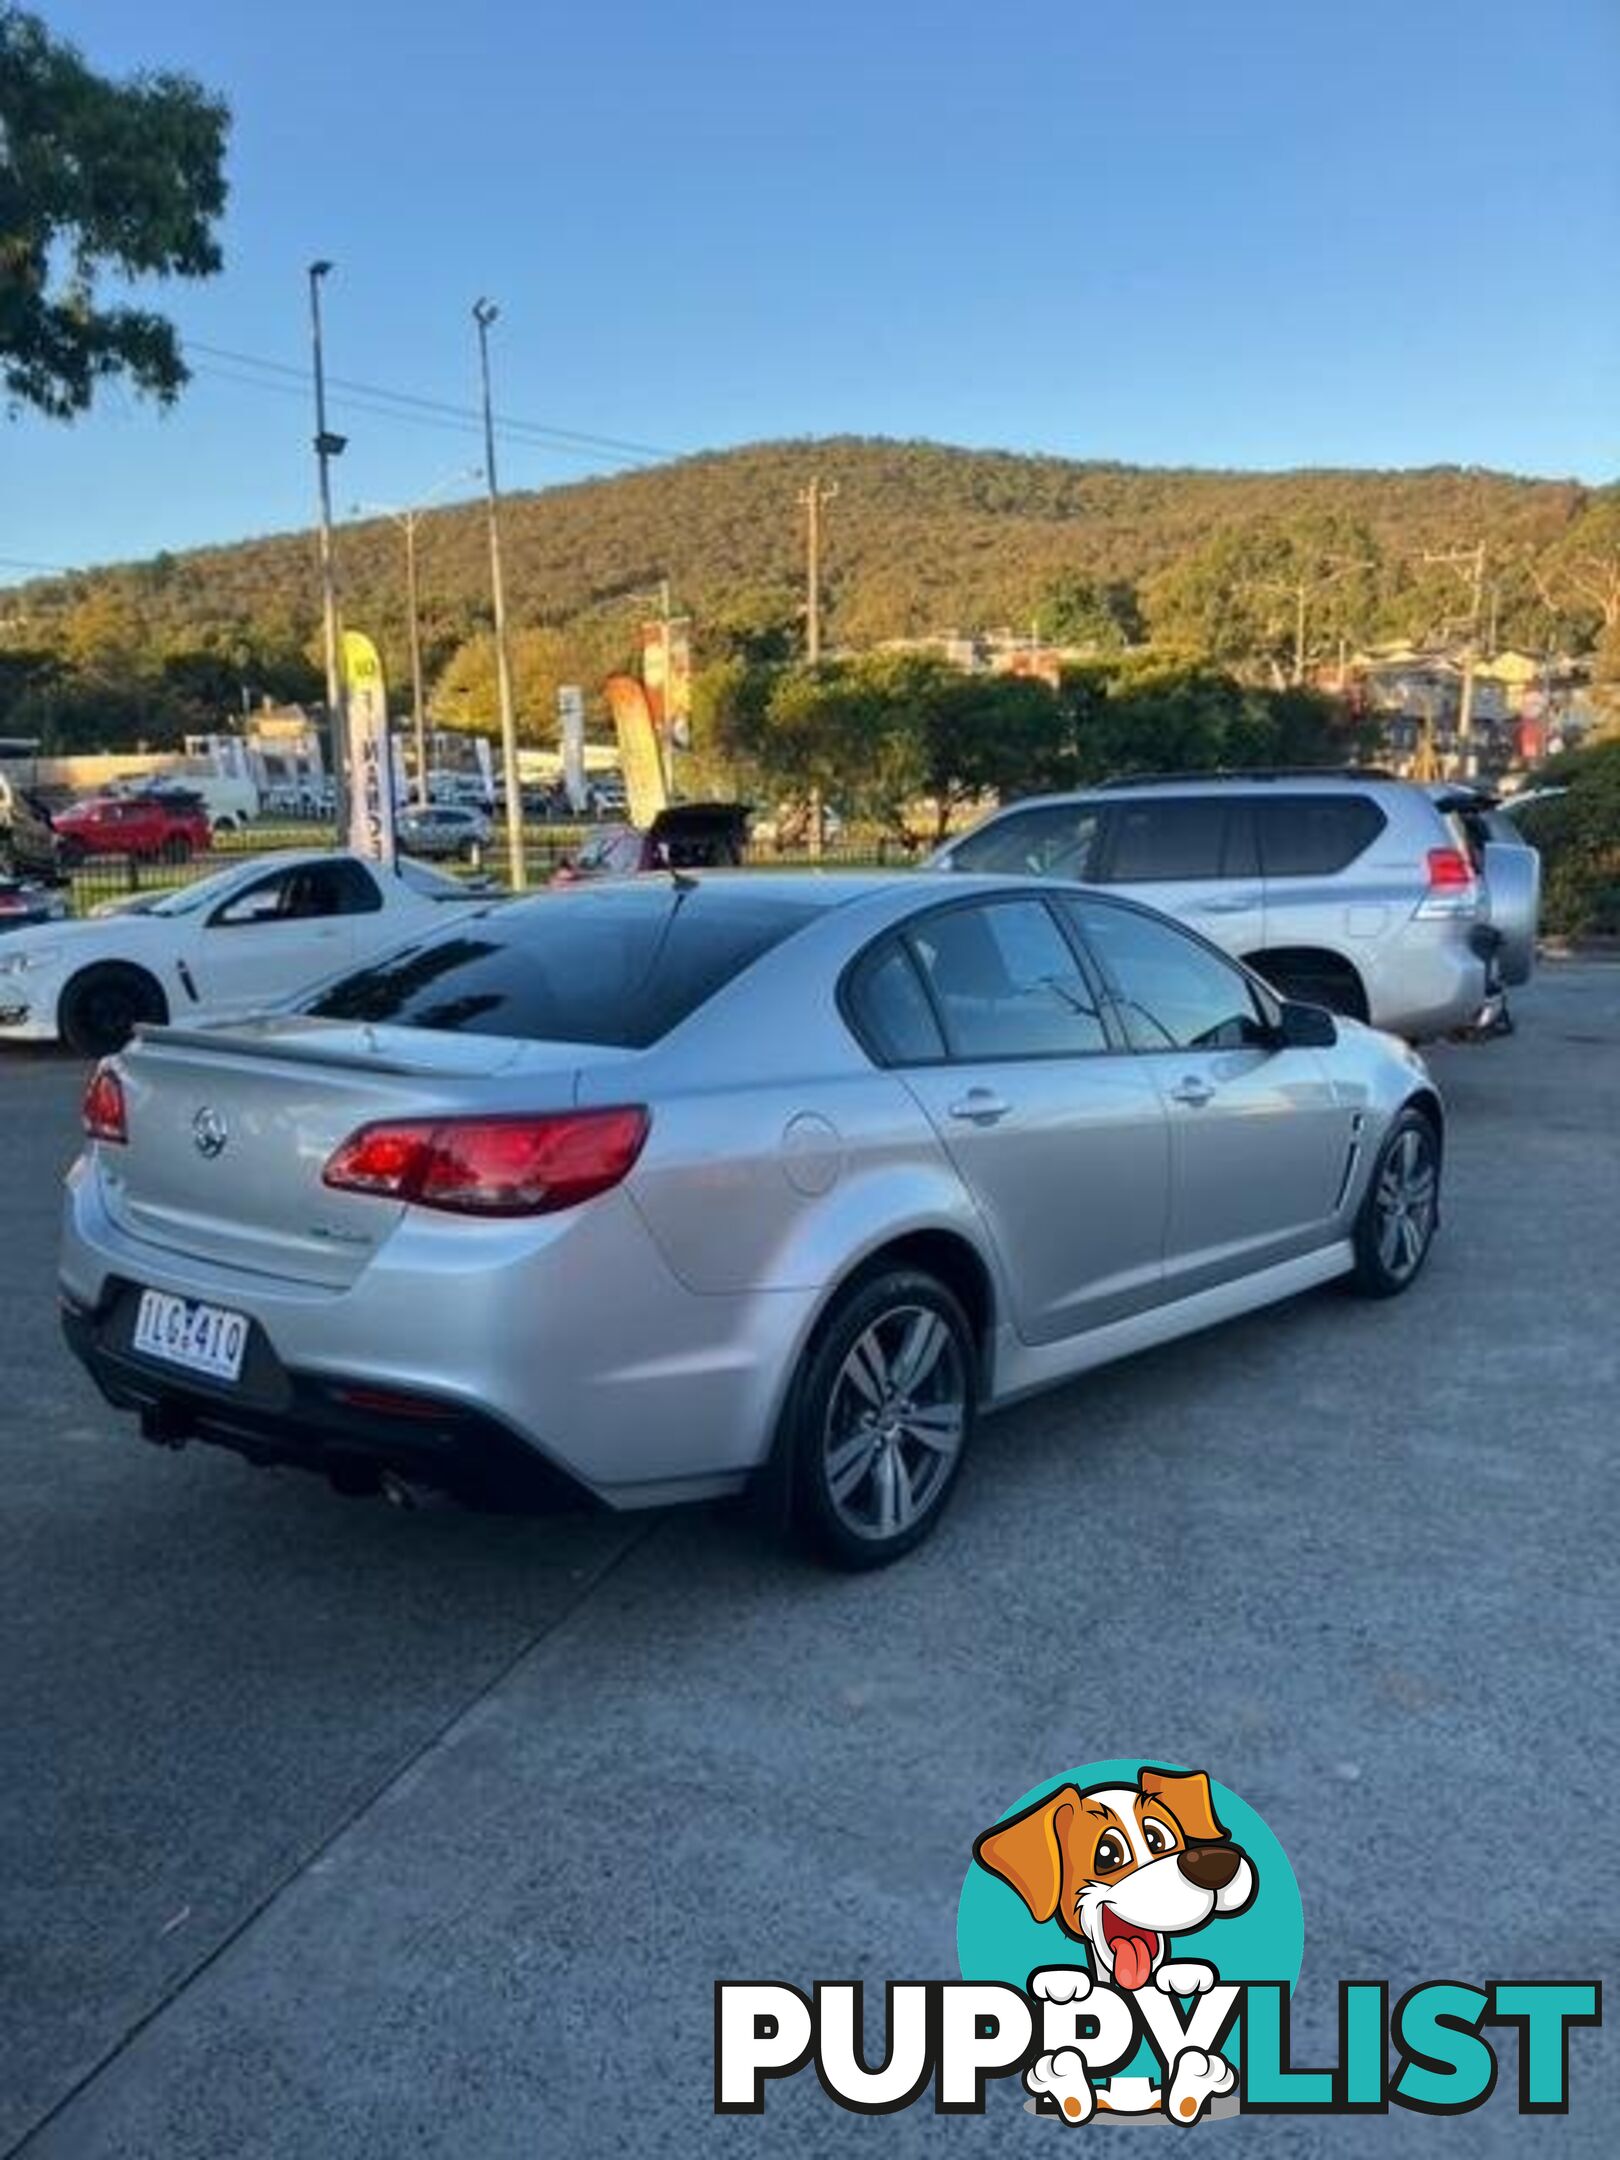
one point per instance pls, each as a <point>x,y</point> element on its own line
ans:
<point>568,1351</point>
<point>330,1425</point>
<point>1430,981</point>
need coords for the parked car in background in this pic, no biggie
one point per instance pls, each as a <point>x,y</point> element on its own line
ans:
<point>1345,889</point>
<point>463,790</point>
<point>605,796</point>
<point>165,827</point>
<point>647,1189</point>
<point>686,836</point>
<point>28,842</point>
<point>233,942</point>
<point>230,805</point>
<point>442,829</point>
<point>23,903</point>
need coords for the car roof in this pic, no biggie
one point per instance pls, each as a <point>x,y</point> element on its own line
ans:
<point>1327,781</point>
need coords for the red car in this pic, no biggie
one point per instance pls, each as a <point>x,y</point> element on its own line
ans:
<point>160,828</point>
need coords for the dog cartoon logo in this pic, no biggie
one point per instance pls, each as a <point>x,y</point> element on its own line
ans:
<point>1124,1867</point>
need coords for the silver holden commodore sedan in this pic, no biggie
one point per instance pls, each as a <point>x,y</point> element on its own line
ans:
<point>651,1189</point>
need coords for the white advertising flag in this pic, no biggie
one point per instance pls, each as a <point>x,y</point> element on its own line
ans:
<point>571,733</point>
<point>371,776</point>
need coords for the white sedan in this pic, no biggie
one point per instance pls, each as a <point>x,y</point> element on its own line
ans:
<point>231,943</point>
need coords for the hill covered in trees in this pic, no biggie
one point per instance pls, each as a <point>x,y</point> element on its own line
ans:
<point>919,538</point>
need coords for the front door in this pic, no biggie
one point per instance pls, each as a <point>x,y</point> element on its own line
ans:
<point>1259,1141</point>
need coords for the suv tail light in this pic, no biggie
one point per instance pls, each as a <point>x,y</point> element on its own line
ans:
<point>104,1106</point>
<point>1453,889</point>
<point>492,1165</point>
<point>1449,869</point>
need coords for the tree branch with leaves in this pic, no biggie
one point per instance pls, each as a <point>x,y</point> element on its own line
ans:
<point>99,180</point>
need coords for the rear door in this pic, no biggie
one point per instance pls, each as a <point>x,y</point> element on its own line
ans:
<point>1055,1129</point>
<point>1190,856</point>
<point>1259,1142</point>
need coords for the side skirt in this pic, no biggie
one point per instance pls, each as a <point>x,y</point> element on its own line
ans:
<point>1021,1368</point>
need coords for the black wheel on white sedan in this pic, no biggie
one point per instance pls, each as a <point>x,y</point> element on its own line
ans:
<point>102,1006</point>
<point>1401,1212</point>
<point>881,1415</point>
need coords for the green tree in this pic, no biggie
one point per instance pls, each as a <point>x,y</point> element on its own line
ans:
<point>1076,610</point>
<point>97,176</point>
<point>1270,598</point>
<point>1579,576</point>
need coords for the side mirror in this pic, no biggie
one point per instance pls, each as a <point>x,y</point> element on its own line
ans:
<point>1305,1027</point>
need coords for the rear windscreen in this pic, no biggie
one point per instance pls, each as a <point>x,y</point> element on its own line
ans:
<point>617,967</point>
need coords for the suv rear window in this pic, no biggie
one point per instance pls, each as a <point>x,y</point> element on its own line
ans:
<point>1165,839</point>
<point>1315,835</point>
<point>617,966</point>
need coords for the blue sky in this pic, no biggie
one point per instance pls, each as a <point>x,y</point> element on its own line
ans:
<point>1217,232</point>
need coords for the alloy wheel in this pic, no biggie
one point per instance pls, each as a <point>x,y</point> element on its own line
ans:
<point>1404,1204</point>
<point>896,1416</point>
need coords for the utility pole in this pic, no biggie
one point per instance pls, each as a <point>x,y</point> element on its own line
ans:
<point>1471,562</point>
<point>484,313</point>
<point>414,614</point>
<point>407,520</point>
<point>327,447</point>
<point>814,498</point>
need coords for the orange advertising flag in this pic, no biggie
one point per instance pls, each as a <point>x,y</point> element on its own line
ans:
<point>639,757</point>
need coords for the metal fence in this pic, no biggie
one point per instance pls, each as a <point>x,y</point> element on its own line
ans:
<point>113,880</point>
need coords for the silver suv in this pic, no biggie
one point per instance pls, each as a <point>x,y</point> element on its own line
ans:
<point>1347,889</point>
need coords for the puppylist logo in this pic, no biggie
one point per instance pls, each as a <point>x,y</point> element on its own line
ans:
<point>1129,1937</point>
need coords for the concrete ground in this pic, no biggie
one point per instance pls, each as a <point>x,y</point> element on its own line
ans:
<point>330,1831</point>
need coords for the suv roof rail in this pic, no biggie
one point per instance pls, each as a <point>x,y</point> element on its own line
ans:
<point>1255,772</point>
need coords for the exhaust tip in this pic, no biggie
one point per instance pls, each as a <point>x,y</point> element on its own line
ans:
<point>163,1426</point>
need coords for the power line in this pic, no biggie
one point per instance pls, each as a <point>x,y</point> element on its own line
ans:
<point>346,402</point>
<point>442,407</point>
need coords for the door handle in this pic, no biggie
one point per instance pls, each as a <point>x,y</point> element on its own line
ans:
<point>1230,904</point>
<point>980,1106</point>
<point>1193,1091</point>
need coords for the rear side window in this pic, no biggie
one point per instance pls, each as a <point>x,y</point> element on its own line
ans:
<point>340,887</point>
<point>618,966</point>
<point>1156,841</point>
<point>1315,835</point>
<point>1057,840</point>
<point>889,1008</point>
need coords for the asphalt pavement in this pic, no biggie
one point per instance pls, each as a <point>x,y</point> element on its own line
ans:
<point>329,1830</point>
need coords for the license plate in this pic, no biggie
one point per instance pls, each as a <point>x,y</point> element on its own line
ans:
<point>202,1338</point>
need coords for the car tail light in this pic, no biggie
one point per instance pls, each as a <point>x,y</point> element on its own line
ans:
<point>492,1165</point>
<point>104,1106</point>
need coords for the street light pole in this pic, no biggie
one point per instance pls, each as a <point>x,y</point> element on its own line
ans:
<point>484,313</point>
<point>327,447</point>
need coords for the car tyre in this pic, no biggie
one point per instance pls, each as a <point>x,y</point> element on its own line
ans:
<point>879,1418</point>
<point>102,1007</point>
<point>1401,1211</point>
